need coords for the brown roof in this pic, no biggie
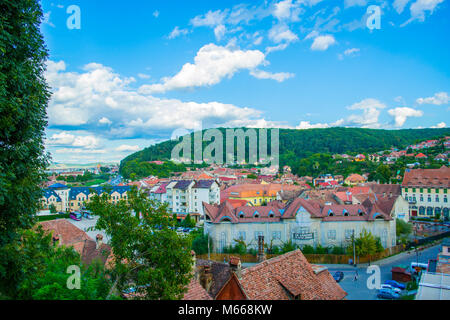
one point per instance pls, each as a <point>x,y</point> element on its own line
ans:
<point>68,233</point>
<point>91,253</point>
<point>289,276</point>
<point>196,291</point>
<point>220,274</point>
<point>387,189</point>
<point>436,178</point>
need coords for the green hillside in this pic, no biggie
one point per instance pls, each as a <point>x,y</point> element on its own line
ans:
<point>296,145</point>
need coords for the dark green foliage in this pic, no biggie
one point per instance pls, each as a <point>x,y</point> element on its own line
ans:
<point>36,269</point>
<point>148,255</point>
<point>200,244</point>
<point>307,249</point>
<point>52,208</point>
<point>317,145</point>
<point>23,99</point>
<point>402,228</point>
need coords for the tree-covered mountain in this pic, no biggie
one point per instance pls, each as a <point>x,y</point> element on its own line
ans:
<point>296,145</point>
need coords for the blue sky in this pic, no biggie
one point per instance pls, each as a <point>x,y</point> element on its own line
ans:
<point>138,71</point>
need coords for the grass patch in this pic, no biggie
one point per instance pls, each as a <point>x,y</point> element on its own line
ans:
<point>52,217</point>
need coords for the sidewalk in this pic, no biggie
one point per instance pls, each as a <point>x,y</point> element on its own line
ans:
<point>381,262</point>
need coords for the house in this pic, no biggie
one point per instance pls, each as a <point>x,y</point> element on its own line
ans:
<point>421,156</point>
<point>256,194</point>
<point>289,277</point>
<point>427,191</point>
<point>440,157</point>
<point>360,157</point>
<point>65,233</point>
<point>302,221</point>
<point>354,179</point>
<point>78,197</point>
<point>186,196</point>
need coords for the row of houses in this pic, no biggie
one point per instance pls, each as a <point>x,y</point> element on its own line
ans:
<point>66,199</point>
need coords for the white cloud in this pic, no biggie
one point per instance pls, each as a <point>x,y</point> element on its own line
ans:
<point>104,120</point>
<point>279,47</point>
<point>46,19</point>
<point>402,114</point>
<point>352,3</point>
<point>280,76</point>
<point>143,76</point>
<point>176,32</point>
<point>79,151</point>
<point>156,13</point>
<point>98,91</point>
<point>210,19</point>
<point>369,117</point>
<point>287,10</point>
<point>399,5</point>
<point>281,32</point>
<point>67,139</point>
<point>220,31</point>
<point>438,99</point>
<point>125,147</point>
<point>440,125</point>
<point>349,53</point>
<point>322,43</point>
<point>419,8</point>
<point>211,64</point>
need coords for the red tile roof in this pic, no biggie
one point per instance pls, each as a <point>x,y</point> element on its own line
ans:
<point>289,276</point>
<point>196,291</point>
<point>427,178</point>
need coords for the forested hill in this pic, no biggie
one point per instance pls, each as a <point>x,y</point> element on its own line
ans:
<point>297,144</point>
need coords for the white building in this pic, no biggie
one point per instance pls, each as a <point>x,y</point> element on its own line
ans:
<point>304,222</point>
<point>187,196</point>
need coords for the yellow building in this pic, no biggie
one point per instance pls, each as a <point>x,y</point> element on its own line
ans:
<point>256,194</point>
<point>354,179</point>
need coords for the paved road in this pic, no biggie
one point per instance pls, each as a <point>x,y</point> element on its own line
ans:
<point>357,290</point>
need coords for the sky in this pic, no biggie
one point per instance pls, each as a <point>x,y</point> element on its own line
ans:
<point>128,74</point>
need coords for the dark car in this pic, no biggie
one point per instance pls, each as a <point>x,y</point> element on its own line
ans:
<point>395,284</point>
<point>338,276</point>
<point>387,294</point>
<point>75,216</point>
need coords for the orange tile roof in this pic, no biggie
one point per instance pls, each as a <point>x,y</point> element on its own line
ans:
<point>427,178</point>
<point>289,276</point>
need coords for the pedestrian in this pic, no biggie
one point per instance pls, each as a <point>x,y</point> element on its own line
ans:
<point>356,276</point>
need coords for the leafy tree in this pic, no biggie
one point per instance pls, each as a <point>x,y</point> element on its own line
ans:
<point>188,222</point>
<point>365,245</point>
<point>149,256</point>
<point>23,99</point>
<point>38,270</point>
<point>402,228</point>
<point>200,244</point>
<point>52,208</point>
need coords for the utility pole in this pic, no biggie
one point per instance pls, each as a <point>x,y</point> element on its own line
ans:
<point>354,251</point>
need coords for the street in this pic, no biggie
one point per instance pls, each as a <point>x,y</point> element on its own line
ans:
<point>84,224</point>
<point>357,290</point>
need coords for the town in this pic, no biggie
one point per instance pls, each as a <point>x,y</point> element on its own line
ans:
<point>250,215</point>
<point>213,159</point>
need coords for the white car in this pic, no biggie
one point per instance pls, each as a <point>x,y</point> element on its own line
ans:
<point>389,287</point>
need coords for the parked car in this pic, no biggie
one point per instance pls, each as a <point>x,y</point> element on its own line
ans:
<point>395,284</point>
<point>75,216</point>
<point>387,294</point>
<point>60,212</point>
<point>186,230</point>
<point>87,215</point>
<point>338,276</point>
<point>389,287</point>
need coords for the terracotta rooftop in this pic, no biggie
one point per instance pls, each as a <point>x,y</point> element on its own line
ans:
<point>287,277</point>
<point>196,291</point>
<point>436,178</point>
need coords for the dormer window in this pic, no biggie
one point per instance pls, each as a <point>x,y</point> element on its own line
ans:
<point>271,214</point>
<point>256,214</point>
<point>330,213</point>
<point>360,212</point>
<point>345,213</point>
<point>241,215</point>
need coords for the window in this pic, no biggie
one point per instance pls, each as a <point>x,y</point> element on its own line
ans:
<point>276,235</point>
<point>429,198</point>
<point>332,234</point>
<point>241,235</point>
<point>437,198</point>
<point>258,233</point>
<point>421,190</point>
<point>445,199</point>
<point>422,210</point>
<point>429,190</point>
<point>406,189</point>
<point>421,197</point>
<point>348,234</point>
<point>414,190</point>
<point>429,211</point>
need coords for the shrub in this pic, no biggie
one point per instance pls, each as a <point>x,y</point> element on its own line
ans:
<point>307,249</point>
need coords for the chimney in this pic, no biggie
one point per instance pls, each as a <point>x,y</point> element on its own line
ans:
<point>261,253</point>
<point>235,266</point>
<point>206,278</point>
<point>98,241</point>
